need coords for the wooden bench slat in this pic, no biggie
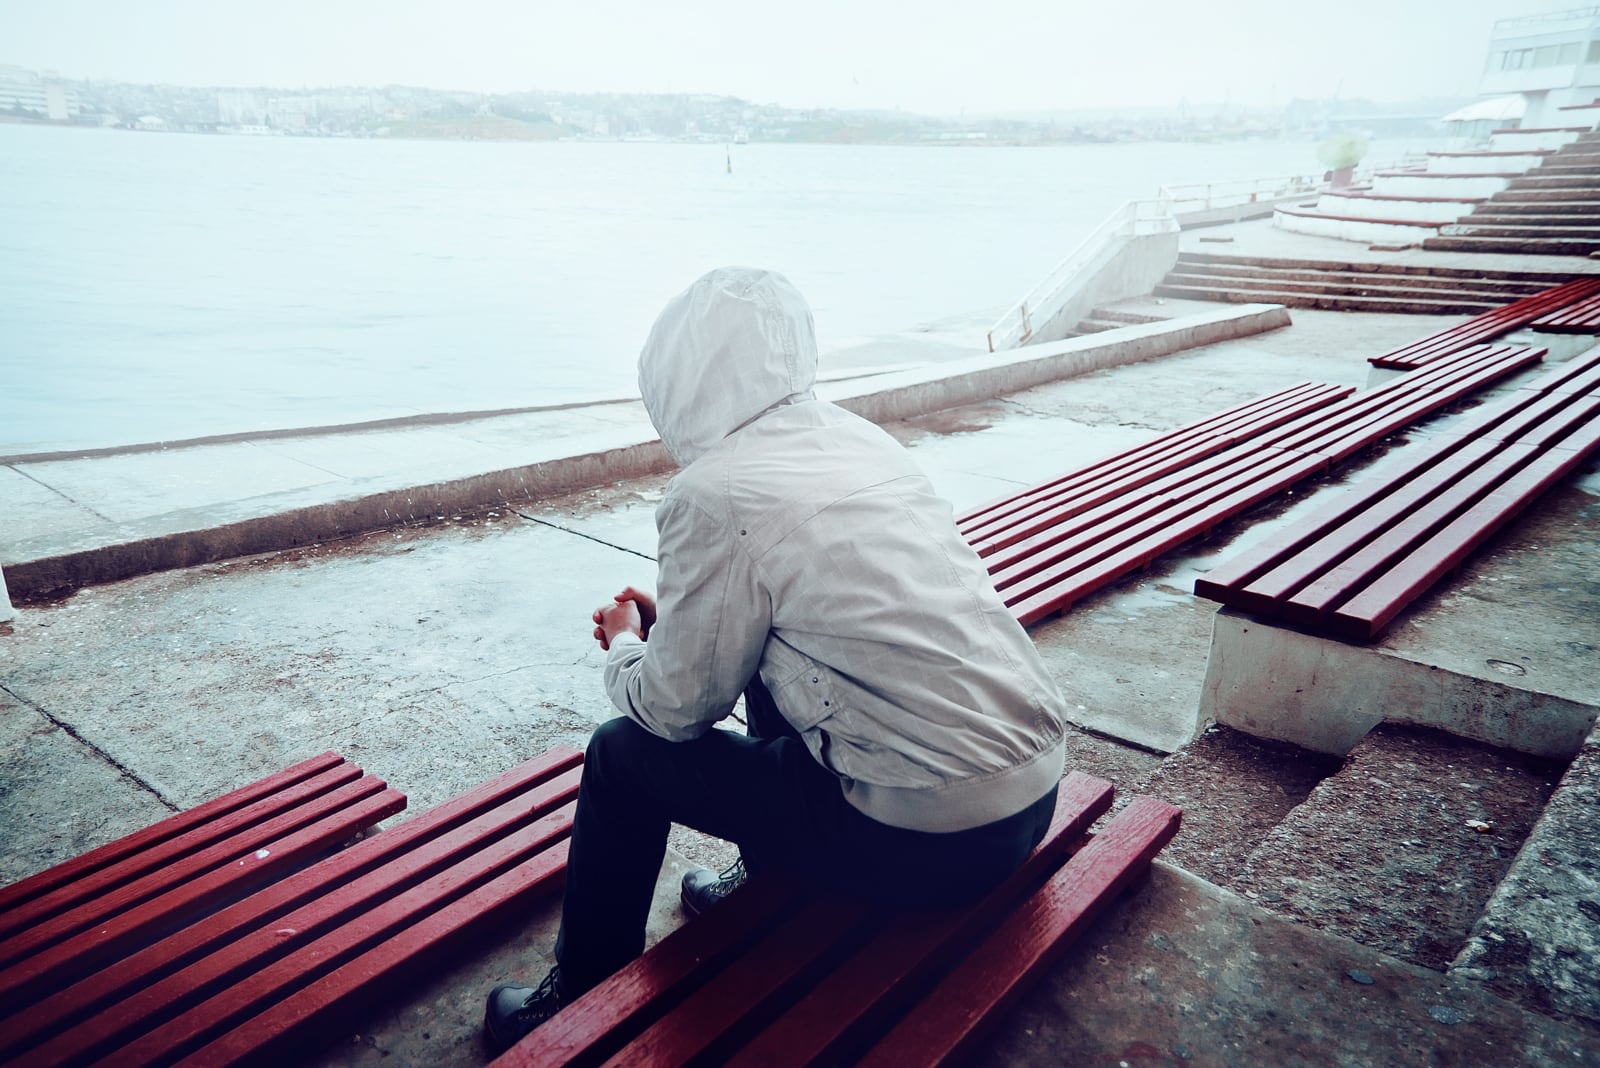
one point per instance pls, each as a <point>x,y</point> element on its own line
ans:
<point>1377,506</point>
<point>858,997</point>
<point>1336,584</point>
<point>983,525</point>
<point>1488,325</point>
<point>735,997</point>
<point>62,949</point>
<point>1367,613</point>
<point>1582,317</point>
<point>1057,587</point>
<point>323,1009</point>
<point>81,903</point>
<point>1235,581</point>
<point>949,1022</point>
<point>1582,379</point>
<point>182,823</point>
<point>307,904</point>
<point>267,1004</point>
<point>143,968</point>
<point>619,1007</point>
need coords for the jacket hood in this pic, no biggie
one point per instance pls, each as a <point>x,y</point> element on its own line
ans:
<point>736,343</point>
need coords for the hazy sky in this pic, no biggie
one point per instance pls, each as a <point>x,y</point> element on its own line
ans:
<point>930,56</point>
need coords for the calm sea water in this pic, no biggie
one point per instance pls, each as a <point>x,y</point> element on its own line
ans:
<point>164,286</point>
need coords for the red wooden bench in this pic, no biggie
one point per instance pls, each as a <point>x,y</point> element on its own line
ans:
<point>1582,317</point>
<point>218,936</point>
<point>1352,566</point>
<point>778,975</point>
<point>1054,544</point>
<point>1488,325</point>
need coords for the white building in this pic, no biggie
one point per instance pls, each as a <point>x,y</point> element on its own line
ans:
<point>38,94</point>
<point>1552,59</point>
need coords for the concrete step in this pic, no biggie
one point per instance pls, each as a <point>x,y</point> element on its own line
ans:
<point>1564,233</point>
<point>1403,846</point>
<point>1233,790</point>
<point>1524,196</point>
<point>1497,217</point>
<point>1546,278</point>
<point>1096,326</point>
<point>1124,316</point>
<point>1335,287</point>
<point>1522,246</point>
<point>1229,295</point>
<point>1534,181</point>
<point>1539,936</point>
<point>1506,288</point>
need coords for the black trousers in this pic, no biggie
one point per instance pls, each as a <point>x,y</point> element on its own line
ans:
<point>765,792</point>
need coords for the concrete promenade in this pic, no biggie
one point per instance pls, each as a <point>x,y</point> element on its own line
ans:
<point>417,598</point>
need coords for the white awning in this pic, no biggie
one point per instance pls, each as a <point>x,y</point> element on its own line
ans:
<point>1499,109</point>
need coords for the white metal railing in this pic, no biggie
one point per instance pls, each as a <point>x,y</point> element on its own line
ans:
<point>1203,196</point>
<point>1135,218</point>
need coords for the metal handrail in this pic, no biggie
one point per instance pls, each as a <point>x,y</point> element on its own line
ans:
<point>1202,196</point>
<point>1132,219</point>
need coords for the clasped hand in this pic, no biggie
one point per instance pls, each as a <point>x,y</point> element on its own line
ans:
<point>633,612</point>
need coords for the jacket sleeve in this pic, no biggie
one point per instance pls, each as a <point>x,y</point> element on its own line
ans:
<point>712,618</point>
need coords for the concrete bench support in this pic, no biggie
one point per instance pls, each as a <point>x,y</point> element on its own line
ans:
<point>1324,694</point>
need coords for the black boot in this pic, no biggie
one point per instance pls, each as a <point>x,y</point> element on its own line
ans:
<point>703,888</point>
<point>514,1011</point>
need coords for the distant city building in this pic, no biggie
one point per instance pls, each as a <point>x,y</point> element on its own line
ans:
<point>1552,60</point>
<point>35,94</point>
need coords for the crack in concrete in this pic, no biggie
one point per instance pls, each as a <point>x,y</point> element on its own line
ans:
<point>78,504</point>
<point>483,678</point>
<point>67,729</point>
<point>581,534</point>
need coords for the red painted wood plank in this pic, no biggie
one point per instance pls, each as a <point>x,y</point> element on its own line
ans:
<point>272,1004</point>
<point>597,1024</point>
<point>282,844</point>
<point>247,832</point>
<point>1052,520</point>
<point>160,853</point>
<point>1394,545</point>
<point>872,986</point>
<point>1552,417</point>
<point>1489,324</point>
<point>711,1020</point>
<point>947,1024</point>
<point>321,1012</point>
<point>308,904</point>
<point>1209,434</point>
<point>1131,457</point>
<point>1050,591</point>
<point>1401,410</point>
<point>172,827</point>
<point>142,969</point>
<point>1379,504</point>
<point>1574,376</point>
<point>1374,608</point>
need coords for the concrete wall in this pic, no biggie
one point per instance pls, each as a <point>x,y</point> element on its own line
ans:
<point>1369,207</point>
<point>1521,140</point>
<point>1132,270</point>
<point>1463,186</point>
<point>1325,695</point>
<point>1483,164</point>
<point>1352,229</point>
<point>7,613</point>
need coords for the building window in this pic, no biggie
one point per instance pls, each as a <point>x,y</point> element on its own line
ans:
<point>1594,52</point>
<point>1569,53</point>
<point>1546,56</point>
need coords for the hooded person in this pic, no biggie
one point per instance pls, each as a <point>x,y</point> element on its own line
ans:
<point>904,739</point>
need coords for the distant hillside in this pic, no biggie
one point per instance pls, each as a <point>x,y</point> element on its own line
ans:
<point>473,128</point>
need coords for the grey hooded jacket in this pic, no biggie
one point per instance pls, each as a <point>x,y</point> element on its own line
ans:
<point>801,541</point>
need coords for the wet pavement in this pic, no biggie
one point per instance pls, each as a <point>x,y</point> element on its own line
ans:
<point>456,644</point>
